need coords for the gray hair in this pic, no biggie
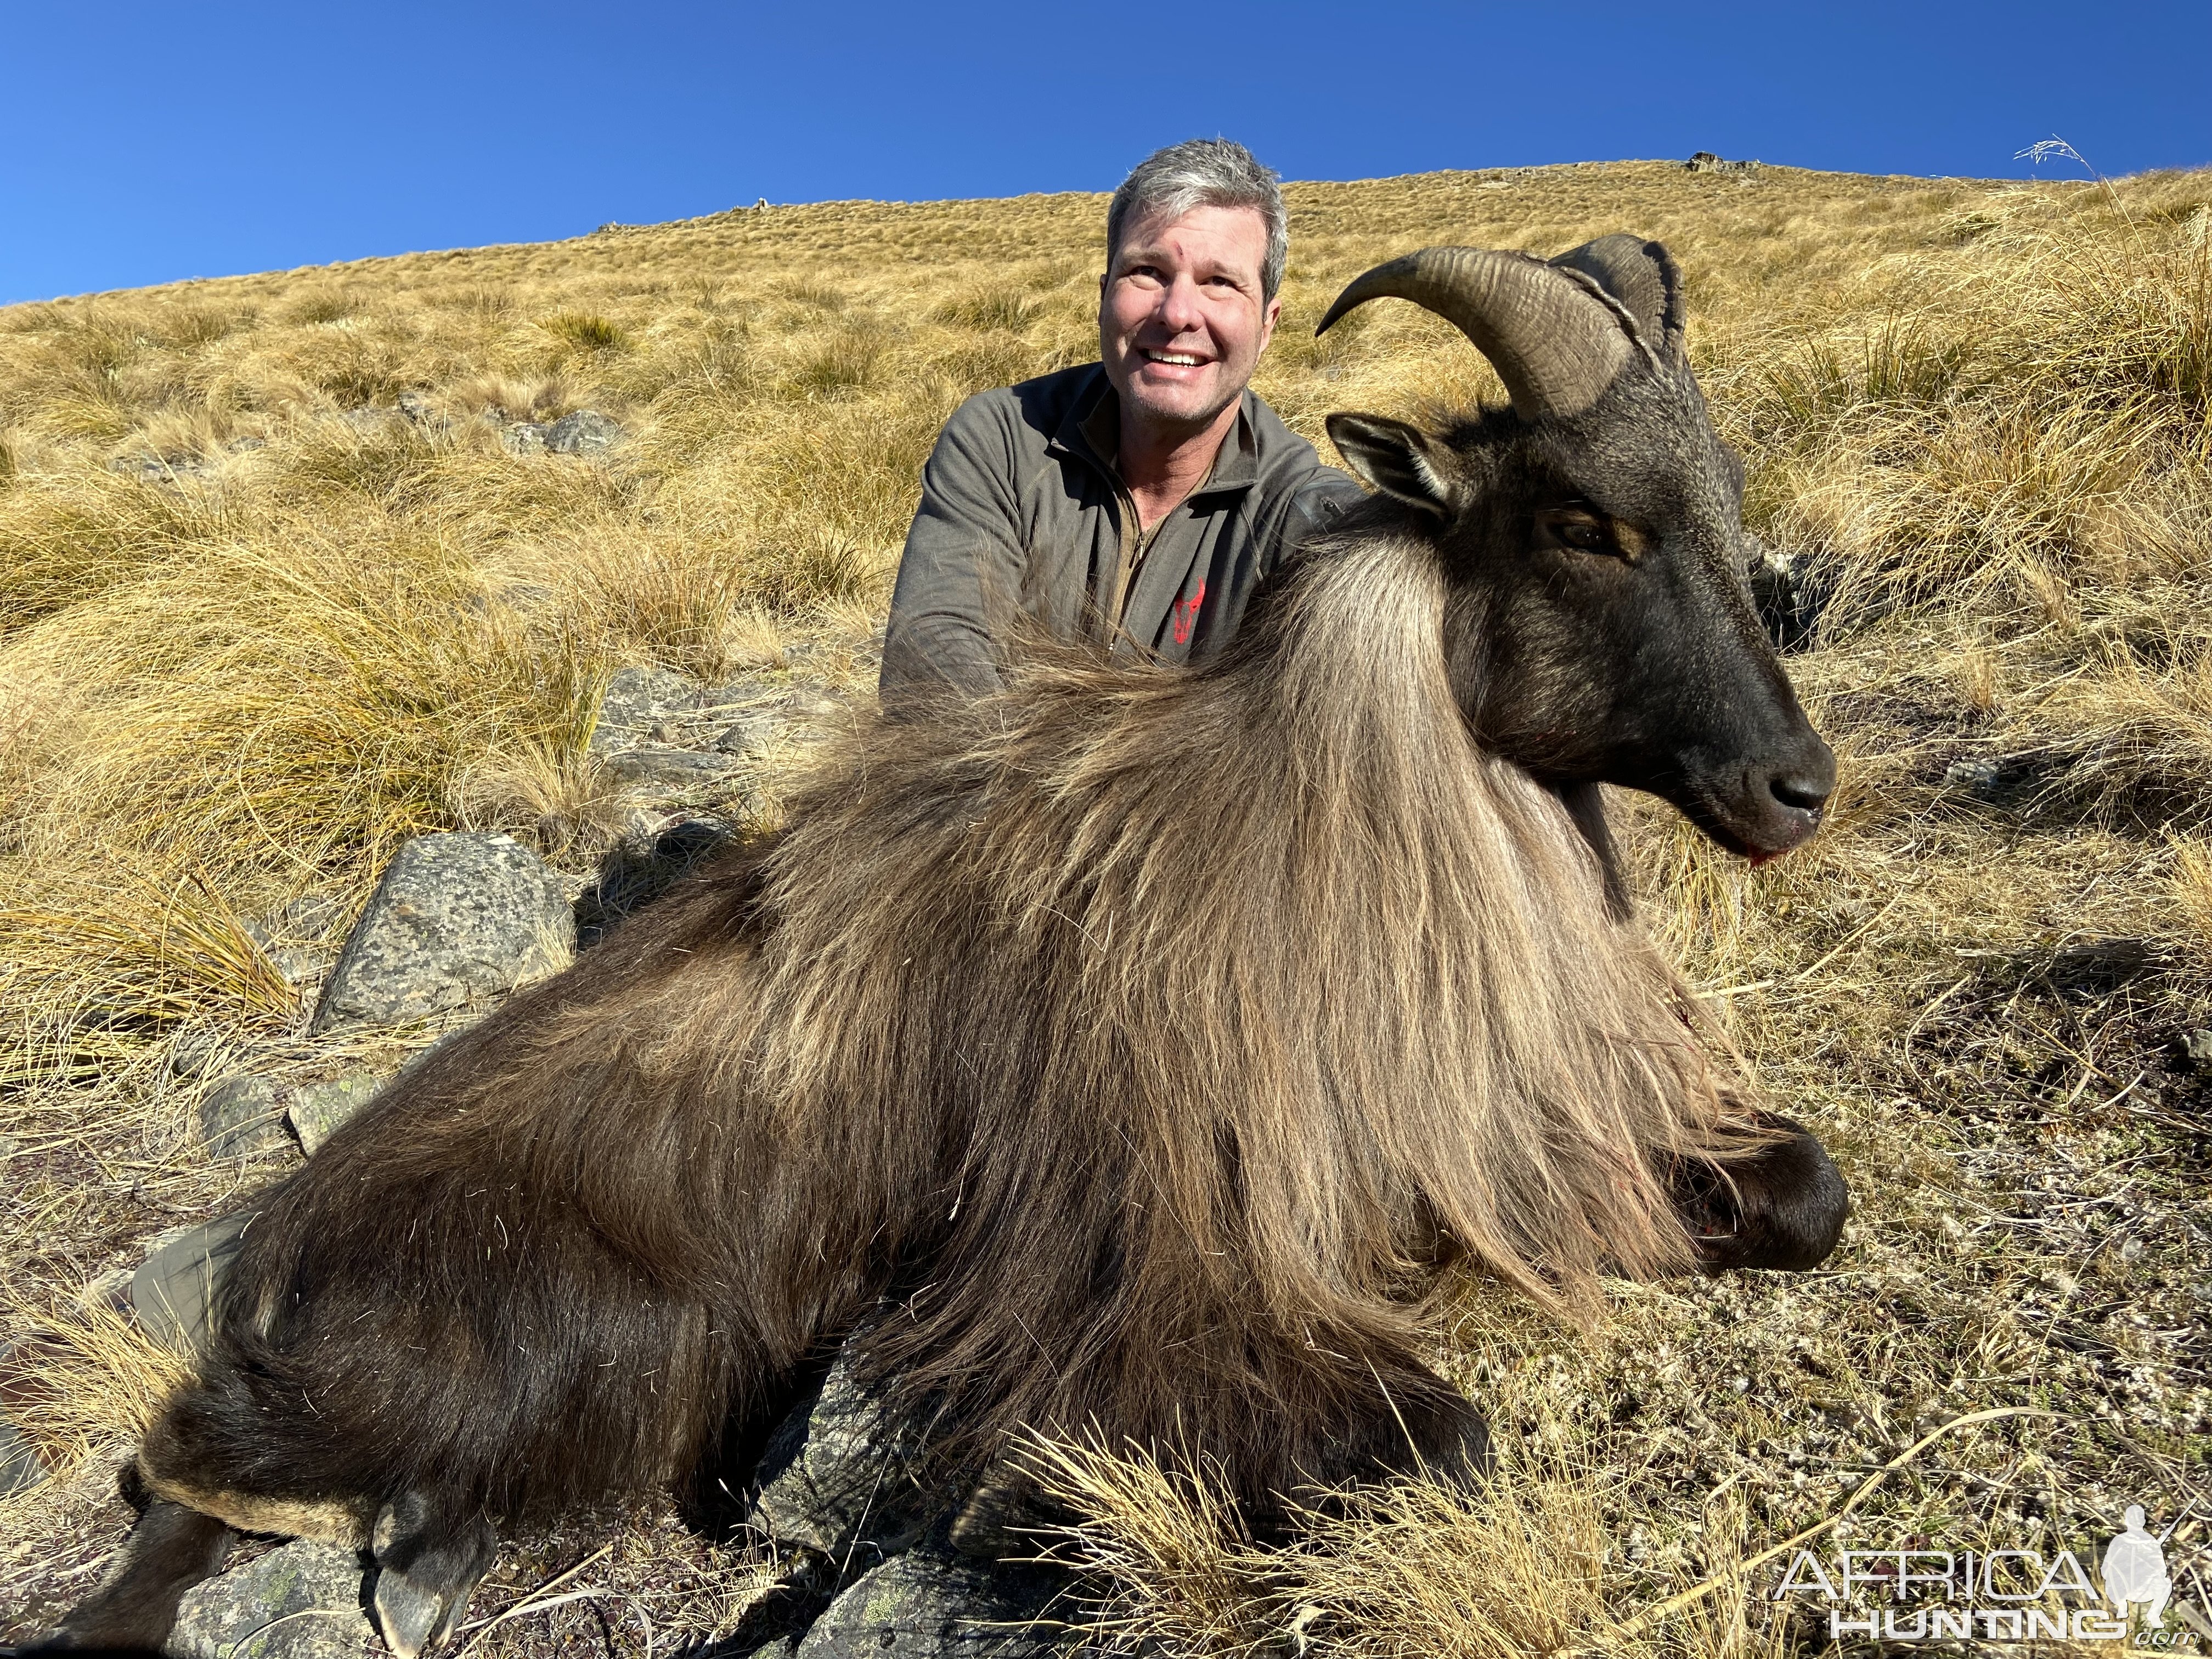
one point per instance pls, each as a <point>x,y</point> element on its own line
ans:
<point>1203,173</point>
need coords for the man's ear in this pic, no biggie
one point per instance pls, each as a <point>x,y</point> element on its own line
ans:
<point>1396,458</point>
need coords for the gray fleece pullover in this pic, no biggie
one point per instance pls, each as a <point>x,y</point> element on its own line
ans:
<point>1023,513</point>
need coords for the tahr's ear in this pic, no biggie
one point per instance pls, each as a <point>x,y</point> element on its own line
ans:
<point>1396,458</point>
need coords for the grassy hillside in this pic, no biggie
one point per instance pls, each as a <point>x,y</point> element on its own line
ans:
<point>257,627</point>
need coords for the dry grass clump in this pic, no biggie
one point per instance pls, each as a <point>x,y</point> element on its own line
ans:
<point>88,1381</point>
<point>1587,1541</point>
<point>275,594</point>
<point>1395,1572</point>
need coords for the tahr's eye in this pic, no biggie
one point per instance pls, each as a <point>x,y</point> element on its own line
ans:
<point>1588,531</point>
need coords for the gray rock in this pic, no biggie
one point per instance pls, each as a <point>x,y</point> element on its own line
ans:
<point>457,917</point>
<point>302,1602</point>
<point>749,736</point>
<point>2007,780</point>
<point>316,1108</point>
<point>1980,777</point>
<point>1790,590</point>
<point>297,938</point>
<point>240,1114</point>
<point>170,1292</point>
<point>192,1052</point>
<point>585,431</point>
<point>310,918</point>
<point>932,1605</point>
<point>743,691</point>
<point>644,705</point>
<point>21,1466</point>
<point>416,409</point>
<point>832,1479</point>
<point>662,772</point>
<point>752,694</point>
<point>647,706</point>
<point>522,438</point>
<point>159,469</point>
<point>300,965</point>
<point>2196,1049</point>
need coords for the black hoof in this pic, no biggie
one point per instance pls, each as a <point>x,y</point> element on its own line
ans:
<point>427,1567</point>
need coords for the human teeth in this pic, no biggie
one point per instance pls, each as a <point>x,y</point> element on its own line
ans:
<point>1172,357</point>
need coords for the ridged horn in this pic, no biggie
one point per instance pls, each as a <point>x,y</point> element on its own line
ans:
<point>1553,343</point>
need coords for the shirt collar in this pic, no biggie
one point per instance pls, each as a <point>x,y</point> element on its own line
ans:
<point>1093,429</point>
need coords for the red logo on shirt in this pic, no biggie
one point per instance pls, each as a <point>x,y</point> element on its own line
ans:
<point>1185,613</point>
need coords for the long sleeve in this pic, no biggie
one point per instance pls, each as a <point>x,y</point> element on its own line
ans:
<point>964,563</point>
<point>1324,498</point>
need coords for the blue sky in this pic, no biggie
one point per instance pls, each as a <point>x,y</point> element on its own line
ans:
<point>143,143</point>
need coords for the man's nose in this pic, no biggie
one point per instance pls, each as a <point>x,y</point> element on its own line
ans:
<point>1179,307</point>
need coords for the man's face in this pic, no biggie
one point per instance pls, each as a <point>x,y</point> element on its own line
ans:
<point>1180,320</point>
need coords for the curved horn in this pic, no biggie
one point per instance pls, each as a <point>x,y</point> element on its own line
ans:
<point>1554,343</point>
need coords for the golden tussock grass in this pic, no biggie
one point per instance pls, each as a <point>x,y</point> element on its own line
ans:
<point>89,1381</point>
<point>257,626</point>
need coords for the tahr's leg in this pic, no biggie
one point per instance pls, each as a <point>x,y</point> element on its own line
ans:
<point>715,1498</point>
<point>1784,1209</point>
<point>426,1565</point>
<point>1428,1430</point>
<point>1417,1426</point>
<point>171,1549</point>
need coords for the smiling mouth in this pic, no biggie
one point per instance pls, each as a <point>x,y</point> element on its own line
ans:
<point>1174,359</point>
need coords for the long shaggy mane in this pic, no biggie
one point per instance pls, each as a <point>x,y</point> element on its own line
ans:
<point>1250,994</point>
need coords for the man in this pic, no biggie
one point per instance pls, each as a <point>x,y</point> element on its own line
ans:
<point>1138,499</point>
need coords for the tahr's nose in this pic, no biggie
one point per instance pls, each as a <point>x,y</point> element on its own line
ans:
<point>1784,799</point>
<point>1805,791</point>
